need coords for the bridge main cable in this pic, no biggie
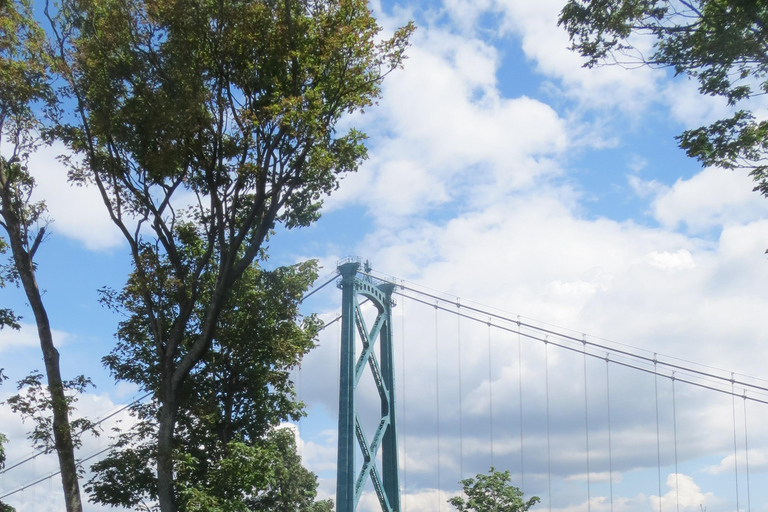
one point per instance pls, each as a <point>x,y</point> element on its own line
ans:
<point>580,341</point>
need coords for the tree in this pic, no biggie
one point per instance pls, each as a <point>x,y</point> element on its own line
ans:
<point>26,95</point>
<point>228,454</point>
<point>723,44</point>
<point>204,124</point>
<point>492,493</point>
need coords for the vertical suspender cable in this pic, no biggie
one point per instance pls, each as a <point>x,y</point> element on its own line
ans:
<point>658,438</point>
<point>404,503</point>
<point>461,398</point>
<point>610,448</point>
<point>520,390</point>
<point>746,451</point>
<point>674,427</point>
<point>735,454</point>
<point>490,390</point>
<point>549,451</point>
<point>437,403</point>
<point>586,422</point>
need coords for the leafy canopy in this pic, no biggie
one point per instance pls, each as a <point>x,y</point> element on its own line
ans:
<point>227,452</point>
<point>491,493</point>
<point>723,44</point>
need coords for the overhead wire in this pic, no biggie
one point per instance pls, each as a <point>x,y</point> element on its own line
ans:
<point>586,427</point>
<point>520,402</point>
<point>490,391</point>
<point>437,409</point>
<point>735,451</point>
<point>746,455</point>
<point>658,437</point>
<point>95,424</point>
<point>549,448</point>
<point>461,397</point>
<point>674,428</point>
<point>51,475</point>
<point>405,433</point>
<point>610,447</point>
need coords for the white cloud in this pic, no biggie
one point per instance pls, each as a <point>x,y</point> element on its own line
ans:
<point>679,260</point>
<point>77,212</point>
<point>711,198</point>
<point>684,492</point>
<point>758,461</point>
<point>27,337</point>
<point>450,136</point>
<point>546,45</point>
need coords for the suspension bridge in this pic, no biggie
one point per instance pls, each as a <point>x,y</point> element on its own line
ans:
<point>428,389</point>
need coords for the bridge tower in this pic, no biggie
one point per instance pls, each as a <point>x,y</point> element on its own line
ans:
<point>350,482</point>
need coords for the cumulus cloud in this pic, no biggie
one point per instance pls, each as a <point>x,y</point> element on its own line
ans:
<point>683,491</point>
<point>709,199</point>
<point>758,461</point>
<point>450,136</point>
<point>26,337</point>
<point>77,212</point>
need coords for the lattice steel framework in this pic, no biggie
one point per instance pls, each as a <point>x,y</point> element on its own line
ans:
<point>350,482</point>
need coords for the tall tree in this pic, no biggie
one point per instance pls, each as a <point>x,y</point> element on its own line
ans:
<point>25,94</point>
<point>204,123</point>
<point>723,44</point>
<point>491,493</point>
<point>227,452</point>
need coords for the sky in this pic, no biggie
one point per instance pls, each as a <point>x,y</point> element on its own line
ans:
<point>502,172</point>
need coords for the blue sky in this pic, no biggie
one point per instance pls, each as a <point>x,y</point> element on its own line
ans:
<point>500,171</point>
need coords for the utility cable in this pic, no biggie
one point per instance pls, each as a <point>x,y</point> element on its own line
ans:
<point>610,447</point>
<point>490,391</point>
<point>520,391</point>
<point>674,428</point>
<point>586,426</point>
<point>461,397</point>
<point>95,424</point>
<point>549,450</point>
<point>746,454</point>
<point>51,475</point>
<point>658,437</point>
<point>405,432</point>
<point>437,404</point>
<point>735,453</point>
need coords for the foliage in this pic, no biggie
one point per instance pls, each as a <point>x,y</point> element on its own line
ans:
<point>7,317</point>
<point>35,403</point>
<point>225,448</point>
<point>723,44</point>
<point>204,124</point>
<point>492,493</point>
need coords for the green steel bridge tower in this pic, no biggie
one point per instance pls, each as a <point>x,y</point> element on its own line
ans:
<point>350,483</point>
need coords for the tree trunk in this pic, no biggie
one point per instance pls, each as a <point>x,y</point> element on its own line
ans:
<point>62,434</point>
<point>165,488</point>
